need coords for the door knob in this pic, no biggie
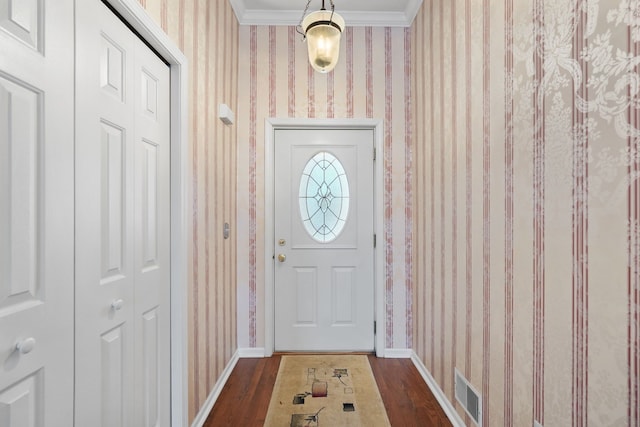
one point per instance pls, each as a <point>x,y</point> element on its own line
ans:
<point>26,346</point>
<point>117,305</point>
<point>282,257</point>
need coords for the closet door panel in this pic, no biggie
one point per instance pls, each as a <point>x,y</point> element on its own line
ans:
<point>122,225</point>
<point>105,271</point>
<point>36,212</point>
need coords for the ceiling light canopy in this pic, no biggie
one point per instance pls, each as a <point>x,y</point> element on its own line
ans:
<point>322,30</point>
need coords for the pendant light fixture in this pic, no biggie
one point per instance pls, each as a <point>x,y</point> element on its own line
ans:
<point>322,30</point>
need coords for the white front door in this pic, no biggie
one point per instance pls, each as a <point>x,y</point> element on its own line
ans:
<point>122,225</point>
<point>324,239</point>
<point>36,213</point>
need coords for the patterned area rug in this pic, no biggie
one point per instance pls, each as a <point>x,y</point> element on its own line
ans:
<point>326,391</point>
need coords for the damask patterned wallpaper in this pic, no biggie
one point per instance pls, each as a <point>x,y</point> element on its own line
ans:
<point>527,206</point>
<point>207,32</point>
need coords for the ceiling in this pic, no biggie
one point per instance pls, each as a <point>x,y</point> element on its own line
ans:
<point>356,13</point>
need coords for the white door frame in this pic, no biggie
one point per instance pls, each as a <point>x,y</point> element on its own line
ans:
<point>271,124</point>
<point>134,15</point>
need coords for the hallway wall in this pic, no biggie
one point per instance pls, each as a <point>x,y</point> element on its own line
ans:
<point>207,32</point>
<point>372,80</point>
<point>527,206</point>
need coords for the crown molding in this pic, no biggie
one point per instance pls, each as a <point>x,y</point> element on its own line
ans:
<point>352,18</point>
<point>413,7</point>
<point>238,8</point>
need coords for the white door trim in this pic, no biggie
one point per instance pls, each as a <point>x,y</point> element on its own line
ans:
<point>134,15</point>
<point>271,124</point>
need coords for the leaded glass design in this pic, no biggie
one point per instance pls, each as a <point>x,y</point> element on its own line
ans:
<point>324,197</point>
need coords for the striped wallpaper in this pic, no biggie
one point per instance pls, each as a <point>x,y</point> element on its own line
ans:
<point>207,32</point>
<point>512,192</point>
<point>527,206</point>
<point>372,80</point>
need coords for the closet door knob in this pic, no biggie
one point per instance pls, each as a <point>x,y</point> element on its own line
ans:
<point>26,346</point>
<point>117,304</point>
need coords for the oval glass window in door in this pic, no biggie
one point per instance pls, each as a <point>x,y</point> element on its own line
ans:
<point>324,197</point>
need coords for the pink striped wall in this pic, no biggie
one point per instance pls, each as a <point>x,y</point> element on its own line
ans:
<point>512,195</point>
<point>633,229</point>
<point>275,80</point>
<point>526,206</point>
<point>539,187</point>
<point>207,33</point>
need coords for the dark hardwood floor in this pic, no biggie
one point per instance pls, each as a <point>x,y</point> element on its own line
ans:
<point>245,398</point>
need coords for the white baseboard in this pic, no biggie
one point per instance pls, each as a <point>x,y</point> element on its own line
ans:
<point>447,406</point>
<point>398,353</point>
<point>251,353</point>
<point>201,417</point>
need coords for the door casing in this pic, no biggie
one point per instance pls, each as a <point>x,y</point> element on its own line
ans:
<point>134,15</point>
<point>271,124</point>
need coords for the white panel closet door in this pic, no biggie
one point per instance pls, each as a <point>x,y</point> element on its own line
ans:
<point>122,226</point>
<point>152,239</point>
<point>36,213</point>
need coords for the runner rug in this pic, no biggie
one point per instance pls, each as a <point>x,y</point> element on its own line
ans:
<point>325,391</point>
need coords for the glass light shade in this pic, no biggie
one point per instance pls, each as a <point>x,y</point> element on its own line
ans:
<point>323,31</point>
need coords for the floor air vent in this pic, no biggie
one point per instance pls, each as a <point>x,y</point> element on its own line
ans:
<point>468,398</point>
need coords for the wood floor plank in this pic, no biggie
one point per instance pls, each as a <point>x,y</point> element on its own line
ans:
<point>244,400</point>
<point>407,398</point>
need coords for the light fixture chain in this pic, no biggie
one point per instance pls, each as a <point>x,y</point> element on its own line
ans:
<point>299,26</point>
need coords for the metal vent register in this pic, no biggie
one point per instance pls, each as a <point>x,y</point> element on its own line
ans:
<point>469,398</point>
